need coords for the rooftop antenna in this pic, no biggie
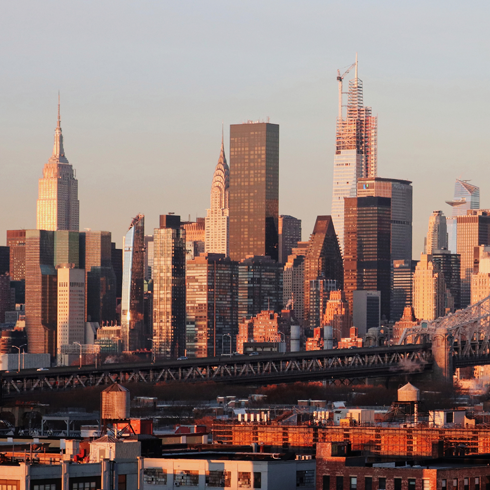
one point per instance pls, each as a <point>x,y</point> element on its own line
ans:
<point>59,113</point>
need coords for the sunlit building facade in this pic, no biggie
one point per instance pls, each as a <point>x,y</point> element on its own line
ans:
<point>132,302</point>
<point>57,204</point>
<point>355,152</point>
<point>218,215</point>
<point>169,291</point>
<point>212,305</point>
<point>437,233</point>
<point>254,190</point>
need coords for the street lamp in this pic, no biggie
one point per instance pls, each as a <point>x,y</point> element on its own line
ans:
<point>223,342</point>
<point>80,345</point>
<point>18,348</point>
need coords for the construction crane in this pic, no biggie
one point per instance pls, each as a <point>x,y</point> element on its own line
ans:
<point>340,79</point>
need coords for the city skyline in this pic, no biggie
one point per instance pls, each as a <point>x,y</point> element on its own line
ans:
<point>111,126</point>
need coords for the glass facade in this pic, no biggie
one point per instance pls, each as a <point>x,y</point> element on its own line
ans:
<point>41,292</point>
<point>254,190</point>
<point>401,194</point>
<point>289,233</point>
<point>259,286</point>
<point>401,287</point>
<point>450,267</point>
<point>132,300</point>
<point>323,260</point>
<point>100,276</point>
<point>16,241</point>
<point>212,305</point>
<point>367,255</point>
<point>169,291</point>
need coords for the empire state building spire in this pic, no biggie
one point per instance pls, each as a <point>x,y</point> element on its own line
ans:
<point>58,207</point>
<point>58,150</point>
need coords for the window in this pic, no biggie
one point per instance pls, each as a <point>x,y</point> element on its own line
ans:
<point>155,476</point>
<point>187,478</point>
<point>455,484</point>
<point>326,482</point>
<point>411,484</point>
<point>398,484</point>
<point>86,485</point>
<point>477,483</point>
<point>339,483</point>
<point>368,483</point>
<point>425,484</point>
<point>353,483</point>
<point>257,479</point>
<point>443,484</point>
<point>244,479</point>
<point>466,484</point>
<point>218,479</point>
<point>45,486</point>
<point>381,483</point>
<point>305,478</point>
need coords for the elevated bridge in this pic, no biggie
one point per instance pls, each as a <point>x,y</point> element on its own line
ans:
<point>457,340</point>
<point>348,364</point>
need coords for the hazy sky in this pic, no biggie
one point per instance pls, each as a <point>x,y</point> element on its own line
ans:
<point>145,86</point>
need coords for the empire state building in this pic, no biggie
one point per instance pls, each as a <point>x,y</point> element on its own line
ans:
<point>58,207</point>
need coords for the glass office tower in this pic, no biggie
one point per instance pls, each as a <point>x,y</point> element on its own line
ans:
<point>132,301</point>
<point>254,190</point>
<point>367,248</point>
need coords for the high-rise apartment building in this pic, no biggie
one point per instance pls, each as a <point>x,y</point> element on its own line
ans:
<point>355,151</point>
<point>6,302</point>
<point>71,307</point>
<point>323,259</point>
<point>367,254</point>
<point>289,236</point>
<point>218,215</point>
<point>254,190</point>
<point>259,286</point>
<point>117,265</point>
<point>132,303</point>
<point>16,241</point>
<point>169,290</point>
<point>100,278</point>
<point>466,197</point>
<point>294,281</point>
<point>429,290</point>
<point>319,295</point>
<point>57,204</point>
<point>400,192</point>
<point>195,236</point>
<point>437,233</point>
<point>212,305</point>
<point>366,310</point>
<point>473,231</point>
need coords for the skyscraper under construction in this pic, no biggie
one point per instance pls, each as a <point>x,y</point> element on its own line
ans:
<point>356,148</point>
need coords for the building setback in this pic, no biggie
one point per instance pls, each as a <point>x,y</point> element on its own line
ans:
<point>58,207</point>
<point>367,256</point>
<point>212,305</point>
<point>294,281</point>
<point>355,151</point>
<point>169,290</point>
<point>218,215</point>
<point>254,190</point>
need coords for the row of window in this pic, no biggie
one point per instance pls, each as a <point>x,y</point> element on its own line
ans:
<point>397,483</point>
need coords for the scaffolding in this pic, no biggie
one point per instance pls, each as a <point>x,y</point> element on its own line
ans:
<point>375,440</point>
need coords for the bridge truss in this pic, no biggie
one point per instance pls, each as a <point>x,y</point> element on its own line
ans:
<point>296,366</point>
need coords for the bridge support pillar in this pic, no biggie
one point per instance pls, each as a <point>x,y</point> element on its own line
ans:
<point>443,359</point>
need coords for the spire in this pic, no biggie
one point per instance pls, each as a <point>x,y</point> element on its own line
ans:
<point>58,150</point>
<point>221,180</point>
<point>355,75</point>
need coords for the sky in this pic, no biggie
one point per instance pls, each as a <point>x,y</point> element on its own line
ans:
<point>145,87</point>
